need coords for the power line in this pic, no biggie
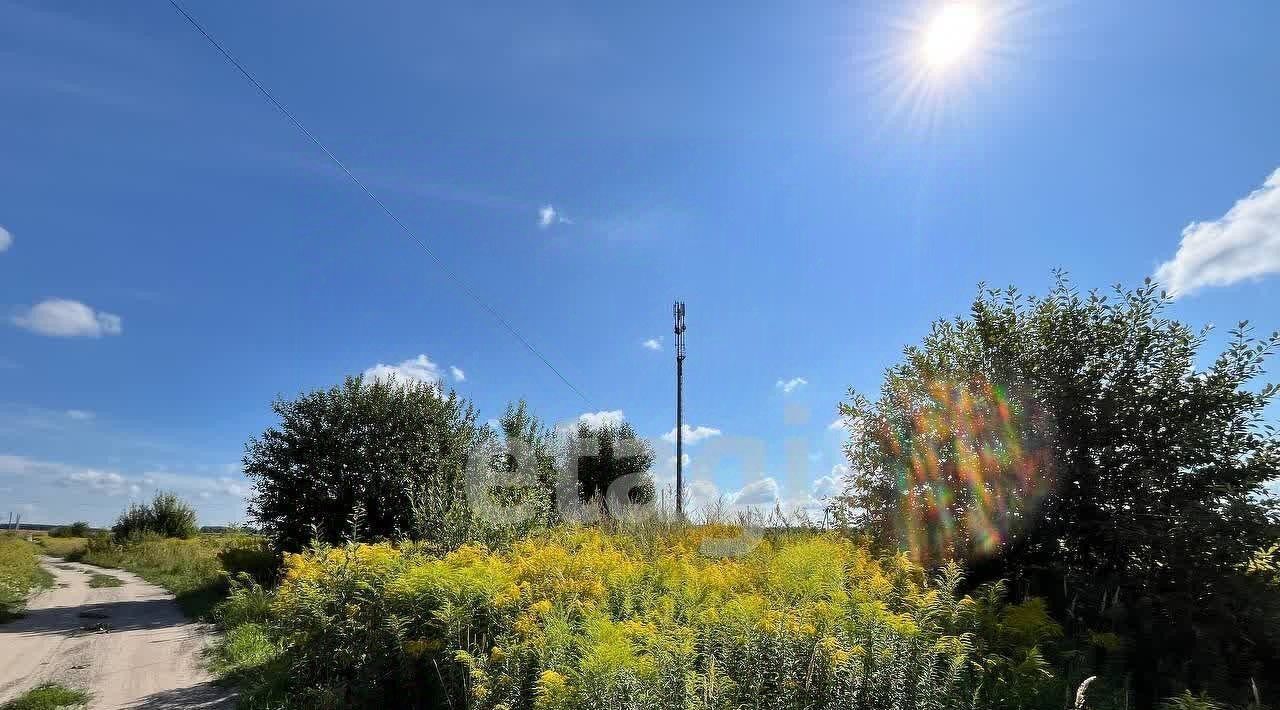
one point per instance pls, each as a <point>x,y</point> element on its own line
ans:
<point>378,201</point>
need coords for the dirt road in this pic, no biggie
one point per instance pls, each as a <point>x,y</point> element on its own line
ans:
<point>129,646</point>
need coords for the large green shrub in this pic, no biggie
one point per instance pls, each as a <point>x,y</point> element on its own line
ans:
<point>370,459</point>
<point>166,515</point>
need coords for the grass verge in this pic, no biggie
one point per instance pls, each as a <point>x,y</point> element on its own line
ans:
<point>49,696</point>
<point>20,572</point>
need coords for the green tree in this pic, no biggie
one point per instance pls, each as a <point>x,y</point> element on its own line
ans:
<point>611,465</point>
<point>511,490</point>
<point>1076,445</point>
<point>76,529</point>
<point>529,456</point>
<point>369,459</point>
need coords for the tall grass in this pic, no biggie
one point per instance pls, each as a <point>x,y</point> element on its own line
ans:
<point>61,546</point>
<point>663,616</point>
<point>20,572</point>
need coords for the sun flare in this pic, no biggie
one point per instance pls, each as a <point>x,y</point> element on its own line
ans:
<point>951,35</point>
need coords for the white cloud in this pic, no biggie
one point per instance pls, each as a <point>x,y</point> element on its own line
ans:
<point>829,485</point>
<point>64,318</point>
<point>75,492</point>
<point>840,424</point>
<point>419,369</point>
<point>185,483</point>
<point>108,482</point>
<point>114,483</point>
<point>1243,244</point>
<point>653,343</point>
<point>761,492</point>
<point>700,493</point>
<point>79,414</point>
<point>595,420</point>
<point>825,487</point>
<point>789,386</point>
<point>671,464</point>
<point>458,374</point>
<point>23,466</point>
<point>549,215</point>
<point>232,487</point>
<point>691,435</point>
<point>6,239</point>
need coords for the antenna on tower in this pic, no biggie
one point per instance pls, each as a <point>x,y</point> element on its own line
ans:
<point>677,312</point>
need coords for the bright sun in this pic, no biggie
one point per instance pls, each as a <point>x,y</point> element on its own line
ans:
<point>951,35</point>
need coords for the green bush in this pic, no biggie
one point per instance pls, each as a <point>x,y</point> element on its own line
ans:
<point>166,515</point>
<point>369,459</point>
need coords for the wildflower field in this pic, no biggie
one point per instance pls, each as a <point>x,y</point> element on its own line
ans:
<point>697,617</point>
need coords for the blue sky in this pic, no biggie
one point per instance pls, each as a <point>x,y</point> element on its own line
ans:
<point>175,254</point>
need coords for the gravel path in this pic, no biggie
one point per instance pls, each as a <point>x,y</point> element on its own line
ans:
<point>129,646</point>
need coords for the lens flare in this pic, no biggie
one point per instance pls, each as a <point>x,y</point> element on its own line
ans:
<point>973,466</point>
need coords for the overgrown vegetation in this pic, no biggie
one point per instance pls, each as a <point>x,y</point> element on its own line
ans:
<point>380,459</point>
<point>1080,447</point>
<point>692,617</point>
<point>49,696</point>
<point>1054,503</point>
<point>20,573</point>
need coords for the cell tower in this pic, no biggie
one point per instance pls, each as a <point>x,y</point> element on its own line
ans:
<point>677,311</point>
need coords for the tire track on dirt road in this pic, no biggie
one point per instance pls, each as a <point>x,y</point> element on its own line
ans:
<point>128,646</point>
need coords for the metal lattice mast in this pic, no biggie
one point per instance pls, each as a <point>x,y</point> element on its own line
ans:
<point>678,313</point>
